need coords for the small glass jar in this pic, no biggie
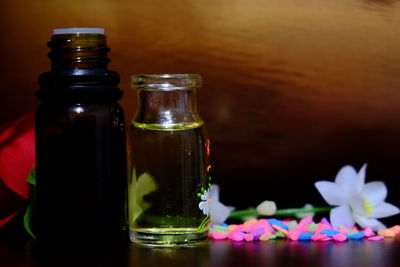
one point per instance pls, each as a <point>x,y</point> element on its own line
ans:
<point>169,161</point>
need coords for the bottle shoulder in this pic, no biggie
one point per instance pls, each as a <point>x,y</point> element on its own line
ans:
<point>72,111</point>
<point>78,84</point>
<point>65,105</point>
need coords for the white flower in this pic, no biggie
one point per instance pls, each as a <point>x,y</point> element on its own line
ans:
<point>357,202</point>
<point>210,205</point>
<point>205,204</point>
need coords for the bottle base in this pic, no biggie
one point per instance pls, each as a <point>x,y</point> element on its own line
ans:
<point>167,237</point>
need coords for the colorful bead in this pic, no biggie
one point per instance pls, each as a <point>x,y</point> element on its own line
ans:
<point>267,229</point>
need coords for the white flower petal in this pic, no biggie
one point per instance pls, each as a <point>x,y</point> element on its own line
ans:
<point>214,192</point>
<point>341,215</point>
<point>219,212</point>
<point>369,222</point>
<point>204,196</point>
<point>347,179</point>
<point>375,192</point>
<point>202,205</point>
<point>383,210</point>
<point>361,178</point>
<point>332,193</point>
<point>206,210</point>
<point>357,205</point>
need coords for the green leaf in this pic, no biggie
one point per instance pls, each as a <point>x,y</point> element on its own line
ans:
<point>32,177</point>
<point>139,188</point>
<point>204,224</point>
<point>27,220</point>
<point>30,209</point>
<point>252,213</point>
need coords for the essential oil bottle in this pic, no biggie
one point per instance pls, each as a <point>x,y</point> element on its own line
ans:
<point>81,195</point>
<point>169,151</point>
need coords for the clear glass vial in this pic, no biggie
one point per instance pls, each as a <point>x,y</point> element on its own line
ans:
<point>169,162</point>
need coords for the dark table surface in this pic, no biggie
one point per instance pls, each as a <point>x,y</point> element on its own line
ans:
<point>17,251</point>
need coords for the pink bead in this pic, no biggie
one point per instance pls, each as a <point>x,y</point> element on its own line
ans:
<point>248,237</point>
<point>258,225</point>
<point>326,222</point>
<point>343,231</point>
<point>294,234</point>
<point>266,225</point>
<point>326,239</point>
<point>317,237</point>
<point>340,237</point>
<point>248,226</point>
<point>302,228</point>
<point>218,235</point>
<point>375,238</point>
<point>368,232</point>
<point>238,229</point>
<point>321,227</point>
<point>262,222</point>
<point>237,236</point>
<point>257,232</point>
<point>306,220</point>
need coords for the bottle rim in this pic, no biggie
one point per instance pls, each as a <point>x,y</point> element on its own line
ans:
<point>77,30</point>
<point>165,82</point>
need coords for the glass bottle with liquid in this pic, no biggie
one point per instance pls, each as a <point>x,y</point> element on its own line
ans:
<point>81,194</point>
<point>169,162</point>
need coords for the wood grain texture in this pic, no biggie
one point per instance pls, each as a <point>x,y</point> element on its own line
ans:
<point>292,91</point>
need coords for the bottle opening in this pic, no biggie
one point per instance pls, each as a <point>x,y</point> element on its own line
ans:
<point>166,82</point>
<point>78,48</point>
<point>78,31</point>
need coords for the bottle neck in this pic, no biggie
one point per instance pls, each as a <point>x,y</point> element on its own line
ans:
<point>79,70</point>
<point>167,109</point>
<point>78,51</point>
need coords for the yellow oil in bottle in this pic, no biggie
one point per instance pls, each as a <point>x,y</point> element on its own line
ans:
<point>169,172</point>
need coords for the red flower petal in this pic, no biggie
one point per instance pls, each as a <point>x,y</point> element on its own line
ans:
<point>10,203</point>
<point>4,221</point>
<point>17,154</point>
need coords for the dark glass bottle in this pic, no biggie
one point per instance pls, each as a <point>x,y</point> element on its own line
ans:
<point>80,144</point>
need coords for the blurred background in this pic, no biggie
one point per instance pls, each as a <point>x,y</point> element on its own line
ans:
<point>293,90</point>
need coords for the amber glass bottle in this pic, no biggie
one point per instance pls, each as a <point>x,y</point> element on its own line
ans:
<point>80,144</point>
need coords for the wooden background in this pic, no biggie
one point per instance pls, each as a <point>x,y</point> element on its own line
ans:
<point>293,90</point>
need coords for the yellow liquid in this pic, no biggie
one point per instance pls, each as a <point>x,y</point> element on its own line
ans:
<point>169,165</point>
